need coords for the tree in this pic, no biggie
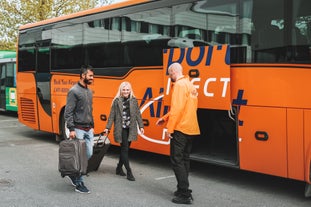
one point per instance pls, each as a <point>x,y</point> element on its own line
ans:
<point>14,13</point>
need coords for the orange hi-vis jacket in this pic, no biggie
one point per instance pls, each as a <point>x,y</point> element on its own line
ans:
<point>183,112</point>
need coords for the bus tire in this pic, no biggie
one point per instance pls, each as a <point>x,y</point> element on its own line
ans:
<point>307,190</point>
<point>64,131</point>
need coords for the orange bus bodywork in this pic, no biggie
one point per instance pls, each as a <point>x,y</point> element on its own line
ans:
<point>274,113</point>
<point>272,106</point>
<point>276,105</point>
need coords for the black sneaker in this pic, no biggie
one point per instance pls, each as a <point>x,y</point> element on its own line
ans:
<point>80,188</point>
<point>119,171</point>
<point>71,180</point>
<point>182,200</point>
<point>179,193</point>
<point>130,176</point>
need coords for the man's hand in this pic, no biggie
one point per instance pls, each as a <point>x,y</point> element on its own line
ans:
<point>72,135</point>
<point>160,122</point>
<point>169,135</point>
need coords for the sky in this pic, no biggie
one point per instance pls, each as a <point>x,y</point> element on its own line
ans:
<point>115,1</point>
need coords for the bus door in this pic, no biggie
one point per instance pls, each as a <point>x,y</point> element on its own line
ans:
<point>2,86</point>
<point>209,70</point>
<point>10,87</point>
<point>43,89</point>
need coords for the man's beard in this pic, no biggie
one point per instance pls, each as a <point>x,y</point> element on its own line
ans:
<point>87,81</point>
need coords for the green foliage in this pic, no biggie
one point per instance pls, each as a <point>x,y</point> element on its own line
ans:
<point>14,13</point>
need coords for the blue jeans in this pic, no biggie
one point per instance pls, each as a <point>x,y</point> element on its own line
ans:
<point>88,136</point>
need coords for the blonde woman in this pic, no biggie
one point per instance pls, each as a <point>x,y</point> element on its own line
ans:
<point>125,116</point>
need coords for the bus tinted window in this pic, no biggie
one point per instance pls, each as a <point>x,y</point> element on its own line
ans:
<point>67,57</point>
<point>145,35</point>
<point>10,74</point>
<point>67,47</point>
<point>143,38</point>
<point>301,32</point>
<point>257,31</point>
<point>43,59</point>
<point>105,55</point>
<point>279,37</point>
<point>268,41</point>
<point>30,37</point>
<point>142,53</point>
<point>27,59</point>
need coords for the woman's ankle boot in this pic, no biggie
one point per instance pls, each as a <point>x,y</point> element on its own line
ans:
<point>119,171</point>
<point>130,176</point>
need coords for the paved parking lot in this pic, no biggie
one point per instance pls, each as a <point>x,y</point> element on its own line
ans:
<point>29,178</point>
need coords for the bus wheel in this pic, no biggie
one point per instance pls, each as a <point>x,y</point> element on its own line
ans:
<point>64,131</point>
<point>308,190</point>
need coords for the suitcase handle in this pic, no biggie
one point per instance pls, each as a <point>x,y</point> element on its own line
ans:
<point>100,135</point>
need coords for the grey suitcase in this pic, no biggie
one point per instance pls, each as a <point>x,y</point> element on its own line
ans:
<point>72,157</point>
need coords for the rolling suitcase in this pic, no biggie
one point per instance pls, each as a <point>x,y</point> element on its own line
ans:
<point>72,158</point>
<point>99,150</point>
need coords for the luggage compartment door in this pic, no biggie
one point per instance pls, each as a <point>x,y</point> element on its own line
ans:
<point>263,140</point>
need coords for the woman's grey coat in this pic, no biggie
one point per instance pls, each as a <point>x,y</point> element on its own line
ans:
<point>115,118</point>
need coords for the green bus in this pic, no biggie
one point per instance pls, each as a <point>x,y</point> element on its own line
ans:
<point>8,99</point>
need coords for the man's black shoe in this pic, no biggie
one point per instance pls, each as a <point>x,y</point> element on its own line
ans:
<point>179,193</point>
<point>182,200</point>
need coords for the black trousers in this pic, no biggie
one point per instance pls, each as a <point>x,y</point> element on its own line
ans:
<point>180,149</point>
<point>125,145</point>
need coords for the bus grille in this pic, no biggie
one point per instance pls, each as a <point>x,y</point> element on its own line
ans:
<point>28,110</point>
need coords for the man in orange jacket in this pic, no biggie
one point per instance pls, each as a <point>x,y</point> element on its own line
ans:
<point>182,126</point>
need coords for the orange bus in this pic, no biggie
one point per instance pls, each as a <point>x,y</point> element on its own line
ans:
<point>264,124</point>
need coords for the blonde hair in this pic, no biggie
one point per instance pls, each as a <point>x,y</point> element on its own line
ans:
<point>122,85</point>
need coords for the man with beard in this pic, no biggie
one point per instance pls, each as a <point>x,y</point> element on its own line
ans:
<point>79,118</point>
<point>182,126</point>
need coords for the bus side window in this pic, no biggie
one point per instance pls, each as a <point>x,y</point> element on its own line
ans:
<point>270,44</point>
<point>300,49</point>
<point>2,77</point>
<point>10,75</point>
<point>27,59</point>
<point>142,53</point>
<point>300,36</point>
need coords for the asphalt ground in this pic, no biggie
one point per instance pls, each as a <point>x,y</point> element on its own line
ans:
<point>29,177</point>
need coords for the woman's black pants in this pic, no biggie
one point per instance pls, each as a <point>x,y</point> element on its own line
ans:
<point>125,145</point>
